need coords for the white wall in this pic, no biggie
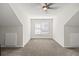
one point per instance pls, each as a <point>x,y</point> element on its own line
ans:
<point>22,16</point>
<point>39,21</point>
<point>61,19</point>
<point>71,36</point>
<point>17,30</point>
<point>72,32</point>
<point>9,23</point>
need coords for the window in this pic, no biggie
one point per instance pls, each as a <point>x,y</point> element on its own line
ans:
<point>42,28</point>
<point>37,29</point>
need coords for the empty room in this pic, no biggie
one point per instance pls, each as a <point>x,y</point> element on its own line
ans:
<point>39,29</point>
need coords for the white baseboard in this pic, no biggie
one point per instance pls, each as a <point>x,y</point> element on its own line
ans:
<point>26,42</point>
<point>59,43</point>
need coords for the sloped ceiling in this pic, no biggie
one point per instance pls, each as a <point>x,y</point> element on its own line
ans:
<point>7,16</point>
<point>74,21</point>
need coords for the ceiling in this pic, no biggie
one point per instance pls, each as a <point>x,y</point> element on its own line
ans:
<point>7,16</point>
<point>35,9</point>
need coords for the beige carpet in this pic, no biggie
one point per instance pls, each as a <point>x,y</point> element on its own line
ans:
<point>40,47</point>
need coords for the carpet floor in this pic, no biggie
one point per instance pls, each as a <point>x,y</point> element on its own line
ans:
<point>40,47</point>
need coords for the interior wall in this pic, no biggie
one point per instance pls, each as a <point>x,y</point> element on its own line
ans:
<point>9,23</point>
<point>71,36</point>
<point>39,21</point>
<point>22,16</point>
<point>72,31</point>
<point>11,29</point>
<point>60,20</point>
